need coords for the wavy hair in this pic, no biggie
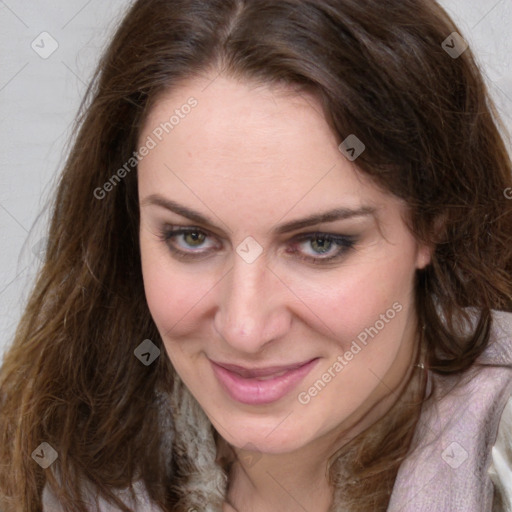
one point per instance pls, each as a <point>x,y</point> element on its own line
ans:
<point>432,137</point>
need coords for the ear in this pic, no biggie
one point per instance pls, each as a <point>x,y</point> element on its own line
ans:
<point>424,256</point>
<point>425,252</point>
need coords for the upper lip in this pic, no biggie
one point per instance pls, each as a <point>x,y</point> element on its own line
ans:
<point>260,372</point>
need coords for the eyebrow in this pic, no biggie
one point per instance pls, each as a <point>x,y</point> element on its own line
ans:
<point>319,218</point>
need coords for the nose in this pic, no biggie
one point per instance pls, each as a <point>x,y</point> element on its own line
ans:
<point>251,310</point>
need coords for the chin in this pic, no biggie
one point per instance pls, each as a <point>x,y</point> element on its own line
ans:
<point>264,446</point>
<point>258,440</point>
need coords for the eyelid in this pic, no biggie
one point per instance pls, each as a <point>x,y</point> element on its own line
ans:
<point>171,232</point>
<point>344,242</point>
<point>168,229</point>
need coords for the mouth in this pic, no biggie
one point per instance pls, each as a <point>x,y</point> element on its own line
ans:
<point>258,386</point>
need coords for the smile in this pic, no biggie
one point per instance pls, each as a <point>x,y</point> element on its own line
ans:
<point>261,385</point>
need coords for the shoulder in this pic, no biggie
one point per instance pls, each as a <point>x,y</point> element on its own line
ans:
<point>464,427</point>
<point>500,470</point>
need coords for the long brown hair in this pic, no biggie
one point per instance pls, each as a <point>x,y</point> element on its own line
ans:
<point>432,138</point>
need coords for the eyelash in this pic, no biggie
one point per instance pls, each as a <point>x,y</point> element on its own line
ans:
<point>345,243</point>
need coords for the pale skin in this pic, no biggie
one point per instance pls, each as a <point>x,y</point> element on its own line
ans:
<point>250,158</point>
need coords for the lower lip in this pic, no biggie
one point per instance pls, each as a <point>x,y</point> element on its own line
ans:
<point>259,392</point>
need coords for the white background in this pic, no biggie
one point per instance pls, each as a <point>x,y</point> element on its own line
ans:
<point>40,97</point>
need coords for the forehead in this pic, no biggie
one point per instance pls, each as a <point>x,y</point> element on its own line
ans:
<point>265,116</point>
<point>253,144</point>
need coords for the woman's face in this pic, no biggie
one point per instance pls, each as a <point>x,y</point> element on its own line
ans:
<point>284,330</point>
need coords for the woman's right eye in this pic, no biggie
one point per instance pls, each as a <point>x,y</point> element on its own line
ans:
<point>190,237</point>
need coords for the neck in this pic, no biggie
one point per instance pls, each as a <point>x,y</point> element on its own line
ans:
<point>285,482</point>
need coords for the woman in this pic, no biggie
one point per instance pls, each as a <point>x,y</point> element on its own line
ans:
<point>278,273</point>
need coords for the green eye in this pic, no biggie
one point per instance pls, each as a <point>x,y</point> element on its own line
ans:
<point>324,244</point>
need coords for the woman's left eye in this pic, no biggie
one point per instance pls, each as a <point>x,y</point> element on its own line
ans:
<point>328,246</point>
<point>325,247</point>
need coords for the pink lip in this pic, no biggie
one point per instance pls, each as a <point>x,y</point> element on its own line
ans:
<point>242,384</point>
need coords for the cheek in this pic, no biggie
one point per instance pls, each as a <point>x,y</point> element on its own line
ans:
<point>344,303</point>
<point>370,351</point>
<point>171,293</point>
